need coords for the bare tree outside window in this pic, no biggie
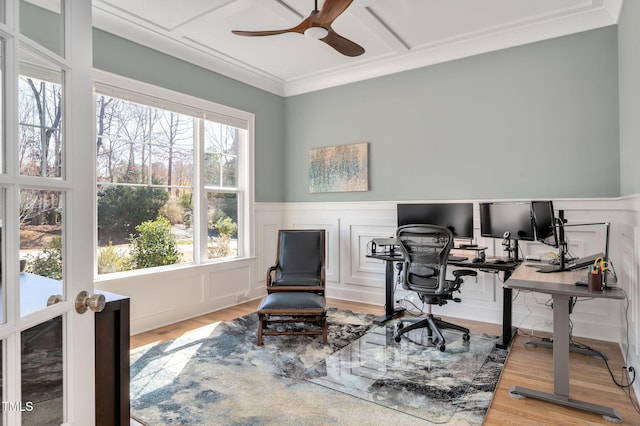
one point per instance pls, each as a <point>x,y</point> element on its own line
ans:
<point>40,115</point>
<point>146,173</point>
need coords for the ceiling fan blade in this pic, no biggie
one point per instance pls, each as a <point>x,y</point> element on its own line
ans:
<point>343,45</point>
<point>331,9</point>
<point>300,28</point>
<point>259,33</point>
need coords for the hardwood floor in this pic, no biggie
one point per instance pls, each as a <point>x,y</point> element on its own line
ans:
<point>529,367</point>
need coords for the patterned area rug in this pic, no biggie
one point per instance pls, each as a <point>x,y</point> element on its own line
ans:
<point>216,375</point>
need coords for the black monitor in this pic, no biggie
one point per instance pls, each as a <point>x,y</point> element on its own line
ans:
<point>507,220</point>
<point>544,222</point>
<point>458,217</point>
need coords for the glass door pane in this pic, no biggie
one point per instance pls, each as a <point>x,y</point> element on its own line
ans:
<point>42,400</point>
<point>41,116</point>
<point>41,249</point>
<point>41,21</point>
<point>2,107</point>
<point>2,259</point>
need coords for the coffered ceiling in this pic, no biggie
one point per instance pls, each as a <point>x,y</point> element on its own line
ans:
<point>397,35</point>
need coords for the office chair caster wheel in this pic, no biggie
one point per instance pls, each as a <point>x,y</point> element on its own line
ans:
<point>442,348</point>
<point>466,337</point>
<point>397,338</point>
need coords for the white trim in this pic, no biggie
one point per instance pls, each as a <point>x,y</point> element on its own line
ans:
<point>594,14</point>
<point>159,97</point>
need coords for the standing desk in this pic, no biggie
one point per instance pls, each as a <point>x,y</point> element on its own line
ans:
<point>389,306</point>
<point>561,286</point>
<point>489,265</point>
<point>507,268</point>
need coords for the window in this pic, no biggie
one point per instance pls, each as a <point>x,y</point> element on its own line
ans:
<point>156,154</point>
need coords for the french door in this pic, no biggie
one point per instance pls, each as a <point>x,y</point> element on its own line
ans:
<point>46,212</point>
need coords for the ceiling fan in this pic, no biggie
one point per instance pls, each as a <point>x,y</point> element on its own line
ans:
<point>318,25</point>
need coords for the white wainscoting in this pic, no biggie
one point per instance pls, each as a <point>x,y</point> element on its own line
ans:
<point>166,296</point>
<point>169,295</point>
<point>356,277</point>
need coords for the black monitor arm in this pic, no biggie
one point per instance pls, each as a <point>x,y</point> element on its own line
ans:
<point>562,241</point>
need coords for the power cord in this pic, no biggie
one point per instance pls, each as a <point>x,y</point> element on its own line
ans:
<point>415,310</point>
<point>626,387</point>
<point>624,384</point>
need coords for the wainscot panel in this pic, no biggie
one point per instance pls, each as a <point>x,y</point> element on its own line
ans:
<point>362,278</point>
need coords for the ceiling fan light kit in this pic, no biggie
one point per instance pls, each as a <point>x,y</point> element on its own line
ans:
<point>316,32</point>
<point>318,26</point>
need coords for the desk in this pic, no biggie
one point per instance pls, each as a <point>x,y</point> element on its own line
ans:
<point>508,267</point>
<point>507,329</point>
<point>561,286</point>
<point>389,304</point>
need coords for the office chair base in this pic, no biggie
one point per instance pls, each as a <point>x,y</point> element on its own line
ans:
<point>433,326</point>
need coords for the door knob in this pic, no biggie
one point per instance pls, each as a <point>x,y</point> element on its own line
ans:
<point>84,301</point>
<point>54,298</point>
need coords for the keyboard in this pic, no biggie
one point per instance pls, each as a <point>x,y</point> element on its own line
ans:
<point>584,262</point>
<point>457,258</point>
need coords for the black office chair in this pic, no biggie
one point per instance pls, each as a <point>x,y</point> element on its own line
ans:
<point>425,249</point>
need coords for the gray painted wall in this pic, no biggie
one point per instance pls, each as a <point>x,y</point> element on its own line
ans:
<point>629,54</point>
<point>525,122</point>
<point>123,57</point>
<point>536,121</point>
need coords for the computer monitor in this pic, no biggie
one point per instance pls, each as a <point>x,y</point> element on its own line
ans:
<point>544,222</point>
<point>458,217</point>
<point>507,220</point>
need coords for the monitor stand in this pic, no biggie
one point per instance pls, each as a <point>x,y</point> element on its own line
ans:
<point>562,249</point>
<point>511,249</point>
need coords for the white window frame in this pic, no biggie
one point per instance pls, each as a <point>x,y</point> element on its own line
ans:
<point>136,91</point>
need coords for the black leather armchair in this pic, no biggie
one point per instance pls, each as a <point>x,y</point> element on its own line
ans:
<point>295,286</point>
<point>425,250</point>
<point>300,264</point>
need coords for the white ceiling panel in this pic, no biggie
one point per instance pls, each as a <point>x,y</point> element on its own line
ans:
<point>396,35</point>
<point>418,24</point>
<point>165,14</point>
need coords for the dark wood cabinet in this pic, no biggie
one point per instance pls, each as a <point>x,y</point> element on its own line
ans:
<point>112,361</point>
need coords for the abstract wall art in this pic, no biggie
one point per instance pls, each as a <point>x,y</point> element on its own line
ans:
<point>342,168</point>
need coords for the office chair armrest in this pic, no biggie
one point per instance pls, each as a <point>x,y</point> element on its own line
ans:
<point>464,273</point>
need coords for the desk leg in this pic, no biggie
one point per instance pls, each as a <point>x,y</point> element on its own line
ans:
<point>561,345</point>
<point>507,329</point>
<point>560,393</point>
<point>389,311</point>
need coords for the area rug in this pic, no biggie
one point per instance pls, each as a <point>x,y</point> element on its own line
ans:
<point>216,375</point>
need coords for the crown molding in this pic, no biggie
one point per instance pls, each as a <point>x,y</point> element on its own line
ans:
<point>595,14</point>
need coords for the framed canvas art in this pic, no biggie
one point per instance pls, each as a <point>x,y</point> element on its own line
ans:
<point>342,168</point>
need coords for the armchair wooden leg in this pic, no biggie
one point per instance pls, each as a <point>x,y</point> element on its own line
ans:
<point>261,322</point>
<point>292,307</point>
<point>324,328</point>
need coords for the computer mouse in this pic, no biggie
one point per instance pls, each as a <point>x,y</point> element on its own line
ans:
<point>477,260</point>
